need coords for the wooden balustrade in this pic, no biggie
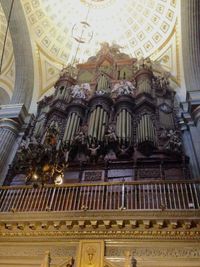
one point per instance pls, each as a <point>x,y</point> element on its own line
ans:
<point>165,195</point>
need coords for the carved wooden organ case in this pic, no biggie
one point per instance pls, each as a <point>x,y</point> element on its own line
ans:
<point>111,118</point>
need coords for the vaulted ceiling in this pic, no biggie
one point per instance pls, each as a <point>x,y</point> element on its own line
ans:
<point>148,28</point>
<point>8,64</point>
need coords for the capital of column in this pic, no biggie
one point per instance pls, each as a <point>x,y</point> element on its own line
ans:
<point>16,113</point>
<point>12,118</point>
<point>10,124</point>
<point>191,108</point>
<point>187,119</point>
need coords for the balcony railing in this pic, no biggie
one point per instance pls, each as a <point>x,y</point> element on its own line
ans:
<point>102,197</point>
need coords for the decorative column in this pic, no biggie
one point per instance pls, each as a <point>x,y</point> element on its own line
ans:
<point>12,117</point>
<point>195,135</point>
<point>190,32</point>
<point>191,131</point>
<point>188,130</point>
<point>190,17</point>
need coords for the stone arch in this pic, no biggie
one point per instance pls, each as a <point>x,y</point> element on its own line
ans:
<point>24,76</point>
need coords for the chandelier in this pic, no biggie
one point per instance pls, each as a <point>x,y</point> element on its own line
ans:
<point>82,32</point>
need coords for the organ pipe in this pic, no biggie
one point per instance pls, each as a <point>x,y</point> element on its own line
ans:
<point>124,126</point>
<point>77,127</point>
<point>145,130</point>
<point>74,123</point>
<point>91,123</point>
<point>72,126</point>
<point>144,85</point>
<point>66,129</point>
<point>127,126</point>
<point>97,123</point>
<point>130,128</point>
<point>100,123</point>
<point>117,125</point>
<point>120,124</point>
<point>103,125</point>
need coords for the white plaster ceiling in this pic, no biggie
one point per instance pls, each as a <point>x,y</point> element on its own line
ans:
<point>141,27</point>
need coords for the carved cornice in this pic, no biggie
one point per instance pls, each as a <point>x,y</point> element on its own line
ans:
<point>161,225</point>
<point>112,234</point>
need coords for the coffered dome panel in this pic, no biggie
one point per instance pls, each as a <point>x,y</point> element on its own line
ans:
<point>140,27</point>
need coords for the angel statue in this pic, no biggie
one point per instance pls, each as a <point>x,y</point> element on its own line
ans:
<point>123,88</point>
<point>115,49</point>
<point>81,91</point>
<point>140,63</point>
<point>68,70</point>
<point>105,48</point>
<point>144,63</point>
<point>148,63</point>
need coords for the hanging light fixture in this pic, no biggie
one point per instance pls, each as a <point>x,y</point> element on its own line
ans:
<point>82,33</point>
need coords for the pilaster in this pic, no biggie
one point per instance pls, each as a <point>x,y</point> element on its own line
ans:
<point>191,130</point>
<point>12,117</point>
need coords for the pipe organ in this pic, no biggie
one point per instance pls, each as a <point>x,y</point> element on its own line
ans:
<point>108,128</point>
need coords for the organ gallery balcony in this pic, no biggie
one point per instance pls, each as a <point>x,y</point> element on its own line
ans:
<point>97,197</point>
<point>168,209</point>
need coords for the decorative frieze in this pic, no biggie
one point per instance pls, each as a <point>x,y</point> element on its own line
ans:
<point>164,252</point>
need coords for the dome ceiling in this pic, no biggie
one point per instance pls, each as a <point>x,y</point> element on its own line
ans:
<point>148,28</point>
<point>139,27</point>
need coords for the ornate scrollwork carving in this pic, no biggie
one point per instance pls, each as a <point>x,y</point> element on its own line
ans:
<point>174,142</point>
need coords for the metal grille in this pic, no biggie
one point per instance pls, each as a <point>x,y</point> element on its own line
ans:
<point>102,196</point>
